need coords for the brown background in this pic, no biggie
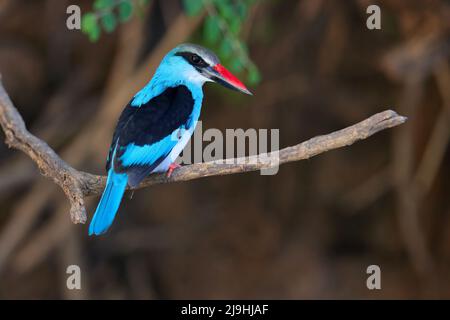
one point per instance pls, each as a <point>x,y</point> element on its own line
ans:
<point>308,232</point>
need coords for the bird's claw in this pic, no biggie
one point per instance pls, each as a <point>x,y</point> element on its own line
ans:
<point>172,167</point>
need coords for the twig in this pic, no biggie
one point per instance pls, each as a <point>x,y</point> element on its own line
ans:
<point>77,184</point>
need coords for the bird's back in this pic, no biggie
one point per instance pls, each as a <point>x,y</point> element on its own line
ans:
<point>145,135</point>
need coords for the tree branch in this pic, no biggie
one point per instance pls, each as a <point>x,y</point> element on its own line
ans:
<point>49,163</point>
<point>78,184</point>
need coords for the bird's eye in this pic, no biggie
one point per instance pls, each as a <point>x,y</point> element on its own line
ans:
<point>195,59</point>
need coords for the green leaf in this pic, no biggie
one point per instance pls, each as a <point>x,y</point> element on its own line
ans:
<point>103,4</point>
<point>225,49</point>
<point>211,30</point>
<point>125,11</point>
<point>192,7</point>
<point>244,48</point>
<point>236,65</point>
<point>88,21</point>
<point>235,26</point>
<point>90,26</point>
<point>225,9</point>
<point>242,9</point>
<point>109,22</point>
<point>254,77</point>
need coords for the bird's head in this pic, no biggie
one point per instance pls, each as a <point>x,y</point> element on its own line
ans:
<point>198,64</point>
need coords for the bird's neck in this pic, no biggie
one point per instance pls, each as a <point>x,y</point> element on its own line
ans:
<point>169,76</point>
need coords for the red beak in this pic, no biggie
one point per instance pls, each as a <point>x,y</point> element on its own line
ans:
<point>227,79</point>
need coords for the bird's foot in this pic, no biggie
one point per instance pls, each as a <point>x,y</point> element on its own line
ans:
<point>172,167</point>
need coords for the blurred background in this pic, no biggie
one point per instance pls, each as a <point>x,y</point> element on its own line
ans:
<point>308,232</point>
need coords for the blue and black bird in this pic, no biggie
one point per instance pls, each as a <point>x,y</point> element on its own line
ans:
<point>157,123</point>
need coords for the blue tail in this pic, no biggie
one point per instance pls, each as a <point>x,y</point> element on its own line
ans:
<point>109,203</point>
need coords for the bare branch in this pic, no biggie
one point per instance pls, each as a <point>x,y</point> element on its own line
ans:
<point>50,164</point>
<point>77,184</point>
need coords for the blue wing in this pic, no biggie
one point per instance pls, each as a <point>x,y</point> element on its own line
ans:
<point>145,135</point>
<point>140,161</point>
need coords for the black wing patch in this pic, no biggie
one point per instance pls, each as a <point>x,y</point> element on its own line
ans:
<point>150,123</point>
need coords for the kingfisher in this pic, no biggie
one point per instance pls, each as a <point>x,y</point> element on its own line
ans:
<point>157,123</point>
